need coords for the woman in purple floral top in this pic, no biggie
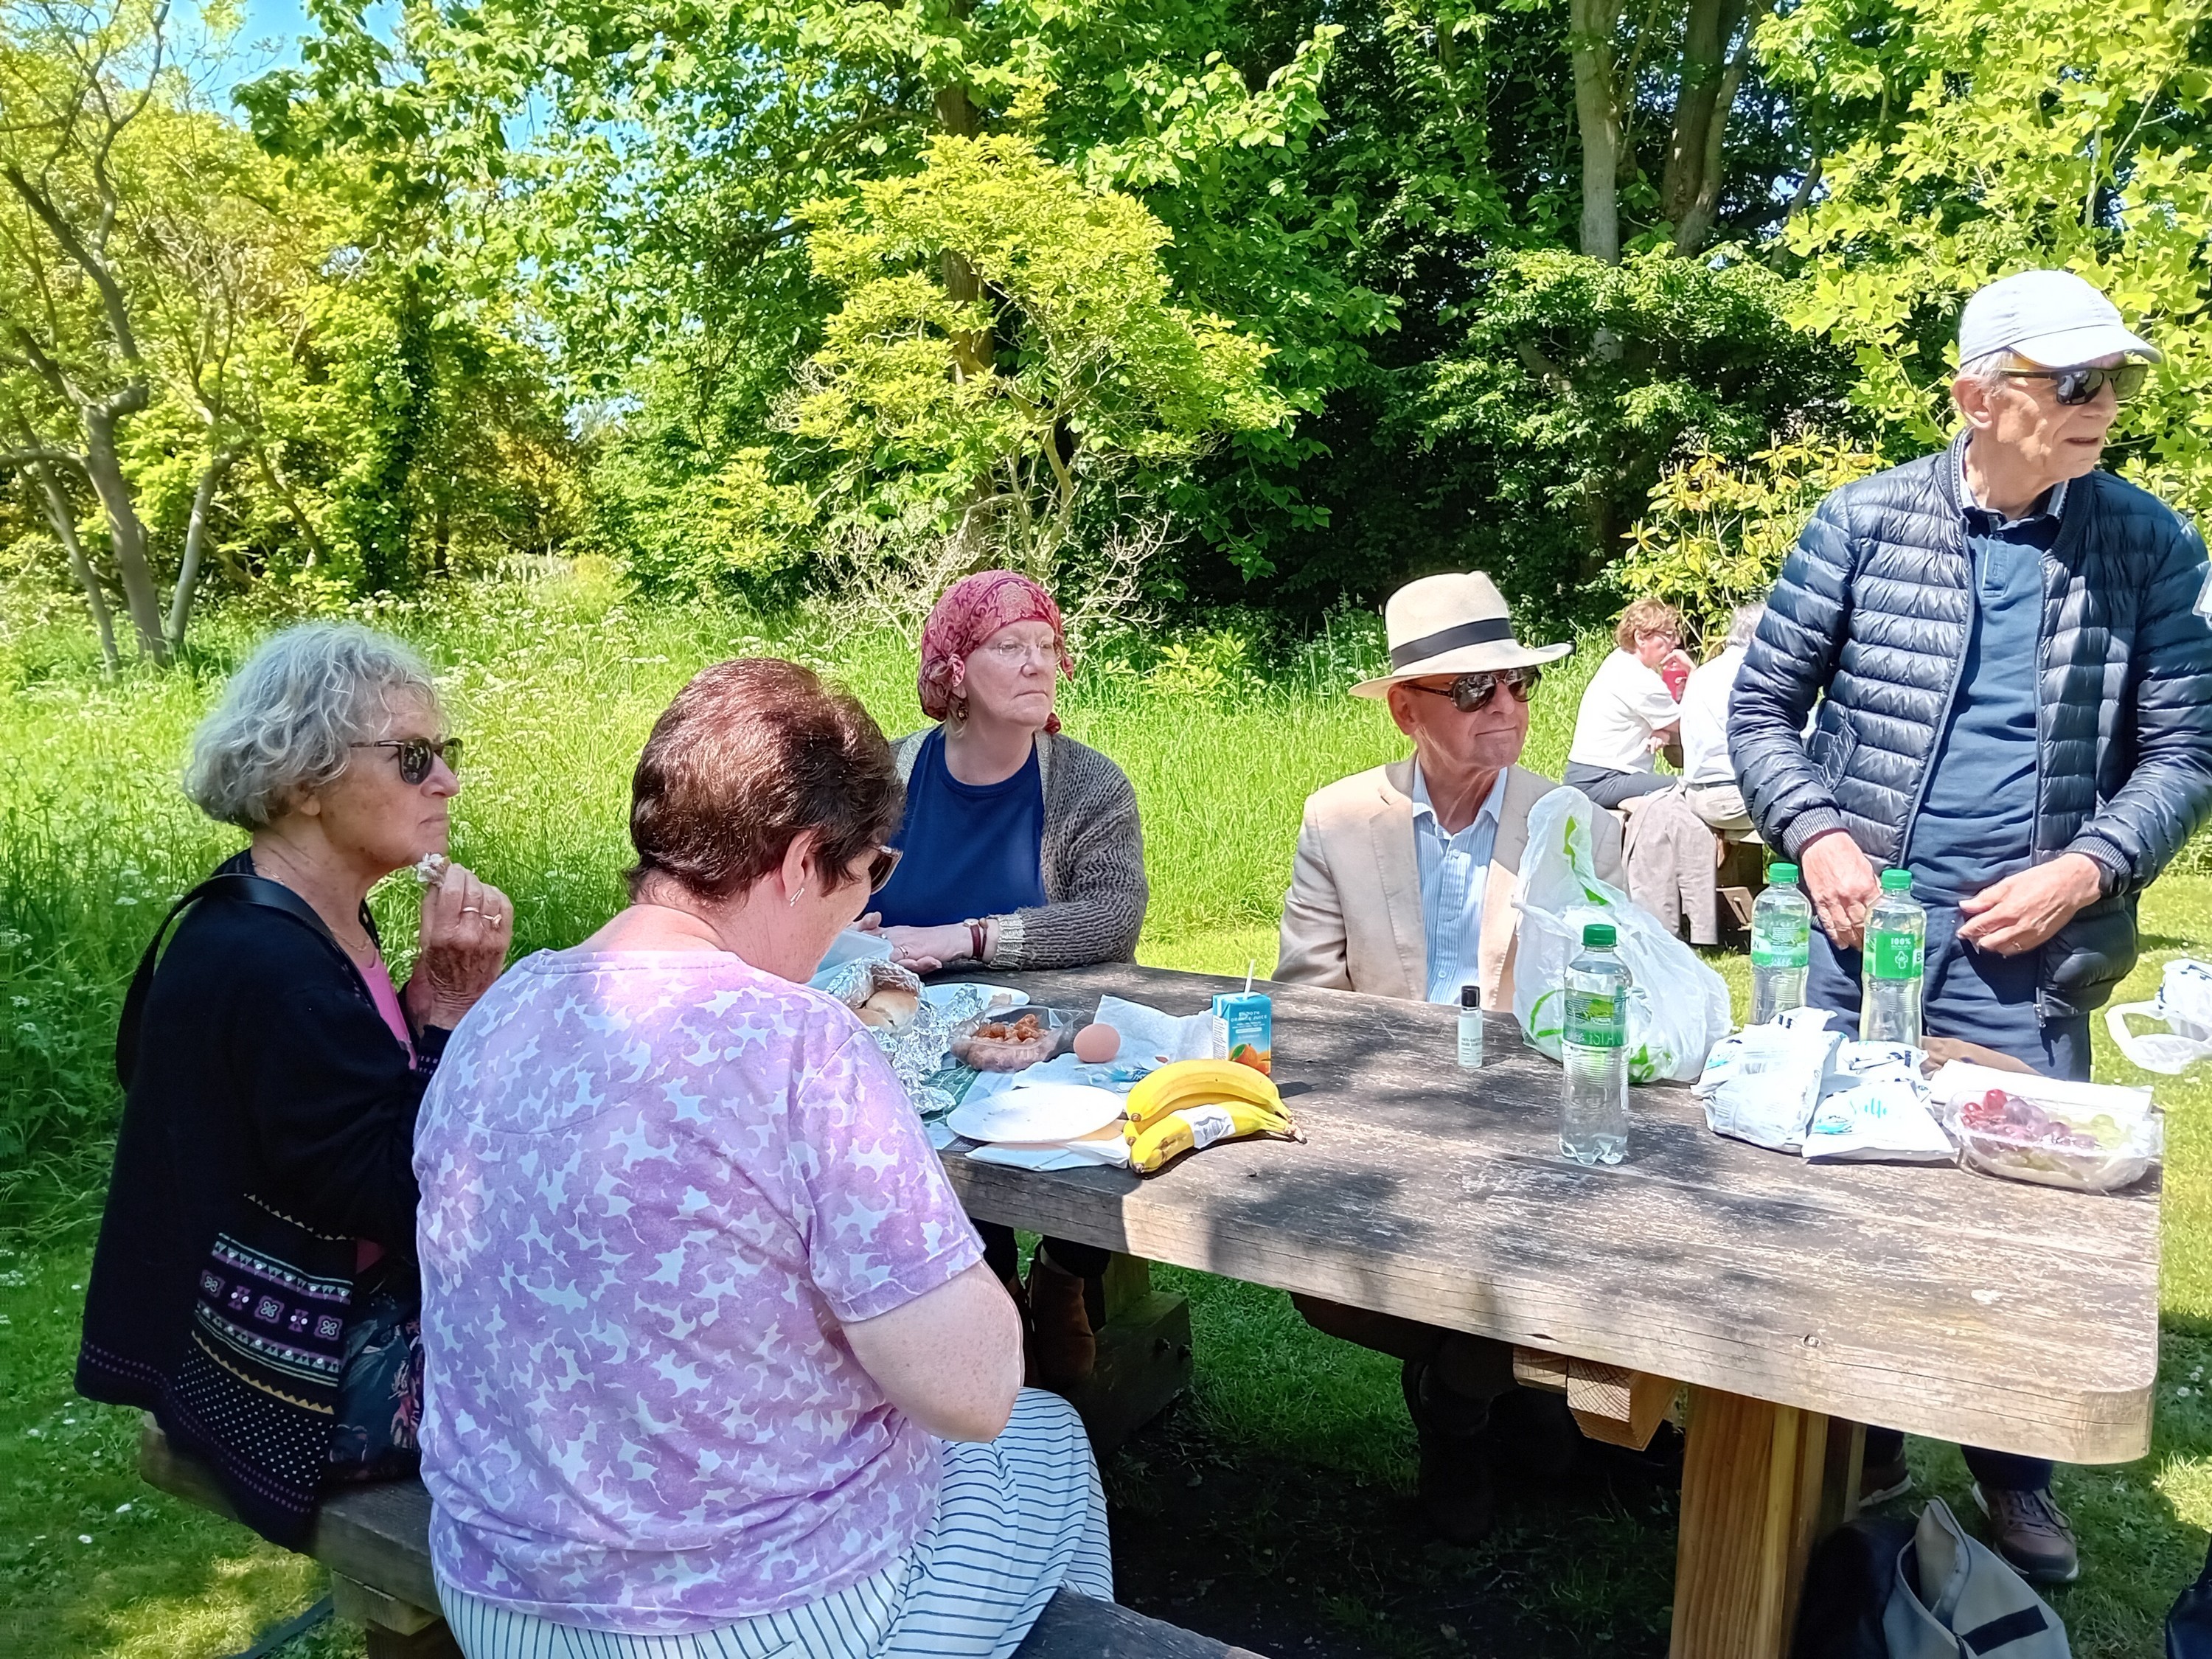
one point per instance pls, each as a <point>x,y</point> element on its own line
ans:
<point>713,1364</point>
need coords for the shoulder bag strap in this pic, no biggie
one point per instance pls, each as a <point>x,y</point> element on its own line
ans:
<point>240,888</point>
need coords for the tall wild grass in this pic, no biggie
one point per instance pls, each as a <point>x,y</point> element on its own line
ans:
<point>554,686</point>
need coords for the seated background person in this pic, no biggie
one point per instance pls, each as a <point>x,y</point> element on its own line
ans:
<point>1023,850</point>
<point>1403,887</point>
<point>714,1363</point>
<point>262,1198</point>
<point>1627,713</point>
<point>1708,774</point>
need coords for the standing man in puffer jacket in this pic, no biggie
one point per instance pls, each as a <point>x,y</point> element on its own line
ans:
<point>2014,686</point>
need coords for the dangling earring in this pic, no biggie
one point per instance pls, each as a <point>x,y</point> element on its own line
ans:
<point>793,899</point>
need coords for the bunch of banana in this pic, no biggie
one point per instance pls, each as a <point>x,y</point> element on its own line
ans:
<point>1194,1103</point>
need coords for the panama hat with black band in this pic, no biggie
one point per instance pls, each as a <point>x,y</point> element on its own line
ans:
<point>1448,625</point>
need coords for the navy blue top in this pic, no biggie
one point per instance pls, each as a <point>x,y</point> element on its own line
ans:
<point>971,849</point>
<point>1977,821</point>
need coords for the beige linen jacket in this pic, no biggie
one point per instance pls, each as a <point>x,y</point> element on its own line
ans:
<point>1352,918</point>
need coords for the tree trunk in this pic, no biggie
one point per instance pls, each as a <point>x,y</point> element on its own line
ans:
<point>61,513</point>
<point>1706,29</point>
<point>281,484</point>
<point>126,533</point>
<point>188,568</point>
<point>1592,24</point>
<point>1700,210</point>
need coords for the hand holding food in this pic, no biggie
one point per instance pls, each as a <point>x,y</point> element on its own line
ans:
<point>467,927</point>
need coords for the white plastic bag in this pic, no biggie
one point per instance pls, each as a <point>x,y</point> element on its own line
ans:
<point>1760,1085</point>
<point>1678,1008</point>
<point>2184,1004</point>
<point>1873,1108</point>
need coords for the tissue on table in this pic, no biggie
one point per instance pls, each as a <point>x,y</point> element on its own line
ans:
<point>1760,1083</point>
<point>1151,1038</point>
<point>1873,1108</point>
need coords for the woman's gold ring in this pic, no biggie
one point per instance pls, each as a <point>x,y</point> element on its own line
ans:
<point>471,910</point>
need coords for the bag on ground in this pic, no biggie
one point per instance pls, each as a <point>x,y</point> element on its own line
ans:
<point>1955,1598</point>
<point>1678,1008</point>
<point>2189,1626</point>
<point>2184,1007</point>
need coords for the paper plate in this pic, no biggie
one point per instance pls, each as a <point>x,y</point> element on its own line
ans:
<point>1043,1111</point>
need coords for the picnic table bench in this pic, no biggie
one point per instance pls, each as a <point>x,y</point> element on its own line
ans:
<point>376,1541</point>
<point>1794,1301</point>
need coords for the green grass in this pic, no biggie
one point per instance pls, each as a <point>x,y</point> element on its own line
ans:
<point>1271,1502</point>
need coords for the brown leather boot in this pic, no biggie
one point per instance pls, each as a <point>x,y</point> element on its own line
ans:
<point>1063,1352</point>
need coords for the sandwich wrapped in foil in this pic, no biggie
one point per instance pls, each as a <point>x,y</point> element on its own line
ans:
<point>916,1046</point>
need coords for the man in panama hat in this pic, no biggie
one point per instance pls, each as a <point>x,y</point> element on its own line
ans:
<point>1403,887</point>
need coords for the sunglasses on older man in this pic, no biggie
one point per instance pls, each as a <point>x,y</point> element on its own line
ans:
<point>2073,387</point>
<point>416,756</point>
<point>1471,691</point>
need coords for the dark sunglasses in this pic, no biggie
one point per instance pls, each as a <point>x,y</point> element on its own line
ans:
<point>2077,386</point>
<point>418,754</point>
<point>1471,691</point>
<point>880,867</point>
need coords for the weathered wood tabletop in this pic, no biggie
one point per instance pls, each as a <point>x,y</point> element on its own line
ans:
<point>1925,1298</point>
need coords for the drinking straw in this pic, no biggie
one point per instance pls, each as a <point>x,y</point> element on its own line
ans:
<point>1250,967</point>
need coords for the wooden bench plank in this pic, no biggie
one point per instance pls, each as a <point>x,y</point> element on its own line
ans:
<point>375,1540</point>
<point>1928,1299</point>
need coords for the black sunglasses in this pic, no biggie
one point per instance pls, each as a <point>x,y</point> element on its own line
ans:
<point>418,754</point>
<point>1470,691</point>
<point>2077,386</point>
<point>880,867</point>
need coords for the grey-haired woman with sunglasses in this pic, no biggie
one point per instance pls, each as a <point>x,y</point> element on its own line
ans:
<point>254,1284</point>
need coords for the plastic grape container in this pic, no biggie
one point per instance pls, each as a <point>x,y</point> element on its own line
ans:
<point>2003,1132</point>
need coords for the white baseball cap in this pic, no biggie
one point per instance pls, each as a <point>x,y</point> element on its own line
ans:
<point>2052,318</point>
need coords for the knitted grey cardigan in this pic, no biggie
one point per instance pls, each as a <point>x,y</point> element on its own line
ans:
<point>1092,859</point>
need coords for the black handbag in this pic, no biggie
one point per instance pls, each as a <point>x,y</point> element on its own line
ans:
<point>279,1313</point>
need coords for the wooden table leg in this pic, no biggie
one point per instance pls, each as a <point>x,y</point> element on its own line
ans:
<point>1143,1355</point>
<point>1755,1493</point>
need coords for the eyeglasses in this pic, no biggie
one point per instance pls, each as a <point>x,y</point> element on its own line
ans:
<point>2073,387</point>
<point>881,866</point>
<point>1471,691</point>
<point>418,754</point>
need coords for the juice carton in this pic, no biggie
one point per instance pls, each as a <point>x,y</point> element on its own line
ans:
<point>1244,1029</point>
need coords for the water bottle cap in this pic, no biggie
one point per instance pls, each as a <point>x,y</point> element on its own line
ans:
<point>1599,935</point>
<point>1897,881</point>
<point>1782,875</point>
<point>1470,996</point>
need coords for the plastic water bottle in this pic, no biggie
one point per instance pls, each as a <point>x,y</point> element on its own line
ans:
<point>1594,1051</point>
<point>1893,961</point>
<point>1781,945</point>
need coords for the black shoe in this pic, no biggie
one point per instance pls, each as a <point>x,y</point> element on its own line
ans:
<point>1533,1437</point>
<point>1879,1482</point>
<point>1455,1492</point>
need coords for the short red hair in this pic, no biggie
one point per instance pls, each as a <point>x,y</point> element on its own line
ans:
<point>752,753</point>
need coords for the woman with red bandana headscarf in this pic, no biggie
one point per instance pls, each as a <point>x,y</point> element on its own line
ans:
<point>1022,850</point>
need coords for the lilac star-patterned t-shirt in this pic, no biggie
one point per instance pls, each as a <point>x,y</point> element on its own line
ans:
<point>655,1185</point>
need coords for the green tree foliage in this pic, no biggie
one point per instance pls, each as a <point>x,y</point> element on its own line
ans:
<point>210,367</point>
<point>2033,133</point>
<point>1070,364</point>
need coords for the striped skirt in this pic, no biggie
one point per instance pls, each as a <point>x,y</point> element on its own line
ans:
<point>1017,1520</point>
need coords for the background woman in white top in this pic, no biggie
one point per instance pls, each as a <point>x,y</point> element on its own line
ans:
<point>1627,713</point>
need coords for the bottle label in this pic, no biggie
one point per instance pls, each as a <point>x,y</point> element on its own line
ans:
<point>1795,953</point>
<point>1895,955</point>
<point>1594,1020</point>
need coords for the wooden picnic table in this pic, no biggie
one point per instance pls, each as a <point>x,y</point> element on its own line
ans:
<point>1785,1296</point>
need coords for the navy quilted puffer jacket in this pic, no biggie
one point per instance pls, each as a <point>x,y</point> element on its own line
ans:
<point>1872,608</point>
